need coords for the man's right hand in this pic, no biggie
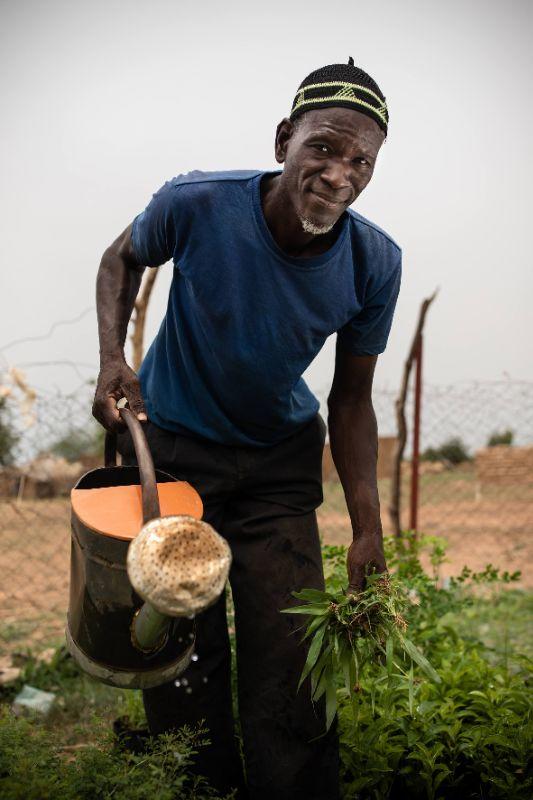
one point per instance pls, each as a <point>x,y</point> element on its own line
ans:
<point>115,381</point>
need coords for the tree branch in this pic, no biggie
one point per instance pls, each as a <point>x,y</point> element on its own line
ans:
<point>396,482</point>
<point>139,320</point>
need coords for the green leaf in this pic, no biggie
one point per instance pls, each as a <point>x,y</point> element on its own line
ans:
<point>316,672</point>
<point>331,701</point>
<point>314,596</point>
<point>322,685</point>
<point>307,609</point>
<point>355,665</point>
<point>411,686</point>
<point>389,649</point>
<point>419,658</point>
<point>345,666</point>
<point>336,646</point>
<point>315,623</point>
<point>313,654</point>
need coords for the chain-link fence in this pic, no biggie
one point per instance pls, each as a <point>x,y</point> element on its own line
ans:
<point>479,498</point>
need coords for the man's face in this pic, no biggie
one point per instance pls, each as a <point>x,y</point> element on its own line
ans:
<point>329,157</point>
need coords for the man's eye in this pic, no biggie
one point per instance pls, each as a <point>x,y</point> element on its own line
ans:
<point>323,148</point>
<point>362,161</point>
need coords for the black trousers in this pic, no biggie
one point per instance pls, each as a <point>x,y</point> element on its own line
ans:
<point>263,501</point>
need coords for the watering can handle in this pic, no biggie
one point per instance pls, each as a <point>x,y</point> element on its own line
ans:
<point>150,498</point>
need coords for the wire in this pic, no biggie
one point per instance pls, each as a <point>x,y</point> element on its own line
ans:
<point>50,332</point>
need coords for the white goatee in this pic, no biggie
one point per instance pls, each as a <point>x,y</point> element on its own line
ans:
<point>311,227</point>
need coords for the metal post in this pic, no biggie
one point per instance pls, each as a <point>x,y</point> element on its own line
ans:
<point>416,437</point>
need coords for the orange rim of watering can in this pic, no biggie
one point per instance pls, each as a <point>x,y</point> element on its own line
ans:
<point>121,511</point>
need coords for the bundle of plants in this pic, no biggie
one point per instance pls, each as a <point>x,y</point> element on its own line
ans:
<point>348,632</point>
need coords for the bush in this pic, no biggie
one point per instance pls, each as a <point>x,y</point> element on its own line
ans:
<point>80,442</point>
<point>469,736</point>
<point>453,451</point>
<point>34,766</point>
<point>501,437</point>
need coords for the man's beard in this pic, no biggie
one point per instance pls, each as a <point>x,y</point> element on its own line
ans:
<point>311,227</point>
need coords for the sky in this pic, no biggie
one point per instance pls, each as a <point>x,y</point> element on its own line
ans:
<point>102,102</point>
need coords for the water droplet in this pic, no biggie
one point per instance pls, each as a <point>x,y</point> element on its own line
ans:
<point>177,683</point>
<point>191,635</point>
<point>194,657</point>
<point>190,616</point>
<point>188,690</point>
<point>180,639</point>
<point>185,681</point>
<point>204,679</point>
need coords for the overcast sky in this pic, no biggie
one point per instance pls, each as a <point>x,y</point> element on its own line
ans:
<point>104,101</point>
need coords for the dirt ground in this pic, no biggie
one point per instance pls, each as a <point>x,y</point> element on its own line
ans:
<point>481,524</point>
<point>35,549</point>
<point>34,564</point>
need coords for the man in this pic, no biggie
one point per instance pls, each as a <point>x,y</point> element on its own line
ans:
<point>266,267</point>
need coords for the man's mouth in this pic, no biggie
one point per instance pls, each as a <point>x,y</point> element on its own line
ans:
<point>327,202</point>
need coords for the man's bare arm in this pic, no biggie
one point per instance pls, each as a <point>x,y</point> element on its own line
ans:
<point>354,443</point>
<point>118,281</point>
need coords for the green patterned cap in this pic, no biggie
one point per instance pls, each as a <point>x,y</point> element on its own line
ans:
<point>342,85</point>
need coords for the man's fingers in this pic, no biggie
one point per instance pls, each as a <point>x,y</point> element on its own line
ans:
<point>117,381</point>
<point>132,393</point>
<point>110,415</point>
<point>356,577</point>
<point>372,567</point>
<point>106,412</point>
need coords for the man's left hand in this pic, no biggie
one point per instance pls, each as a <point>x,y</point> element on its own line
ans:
<point>365,556</point>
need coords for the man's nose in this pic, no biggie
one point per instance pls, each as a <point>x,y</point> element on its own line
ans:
<point>335,174</point>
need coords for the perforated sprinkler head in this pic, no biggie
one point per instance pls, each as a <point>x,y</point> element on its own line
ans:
<point>179,565</point>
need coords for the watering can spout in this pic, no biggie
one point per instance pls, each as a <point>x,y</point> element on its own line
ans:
<point>149,628</point>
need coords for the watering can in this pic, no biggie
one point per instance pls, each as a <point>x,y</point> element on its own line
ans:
<point>143,564</point>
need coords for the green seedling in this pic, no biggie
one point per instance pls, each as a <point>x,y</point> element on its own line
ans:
<point>346,632</point>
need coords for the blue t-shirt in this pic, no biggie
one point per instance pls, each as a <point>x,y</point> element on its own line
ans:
<point>244,320</point>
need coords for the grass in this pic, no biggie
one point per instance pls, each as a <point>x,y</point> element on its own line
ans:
<point>501,621</point>
<point>12,633</point>
<point>466,736</point>
<point>37,632</point>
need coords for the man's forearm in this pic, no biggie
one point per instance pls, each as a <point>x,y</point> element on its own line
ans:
<point>117,285</point>
<point>354,443</point>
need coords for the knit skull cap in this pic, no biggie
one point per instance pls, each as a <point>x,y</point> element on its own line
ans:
<point>342,85</point>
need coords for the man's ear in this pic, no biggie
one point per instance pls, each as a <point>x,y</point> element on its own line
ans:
<point>284,132</point>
